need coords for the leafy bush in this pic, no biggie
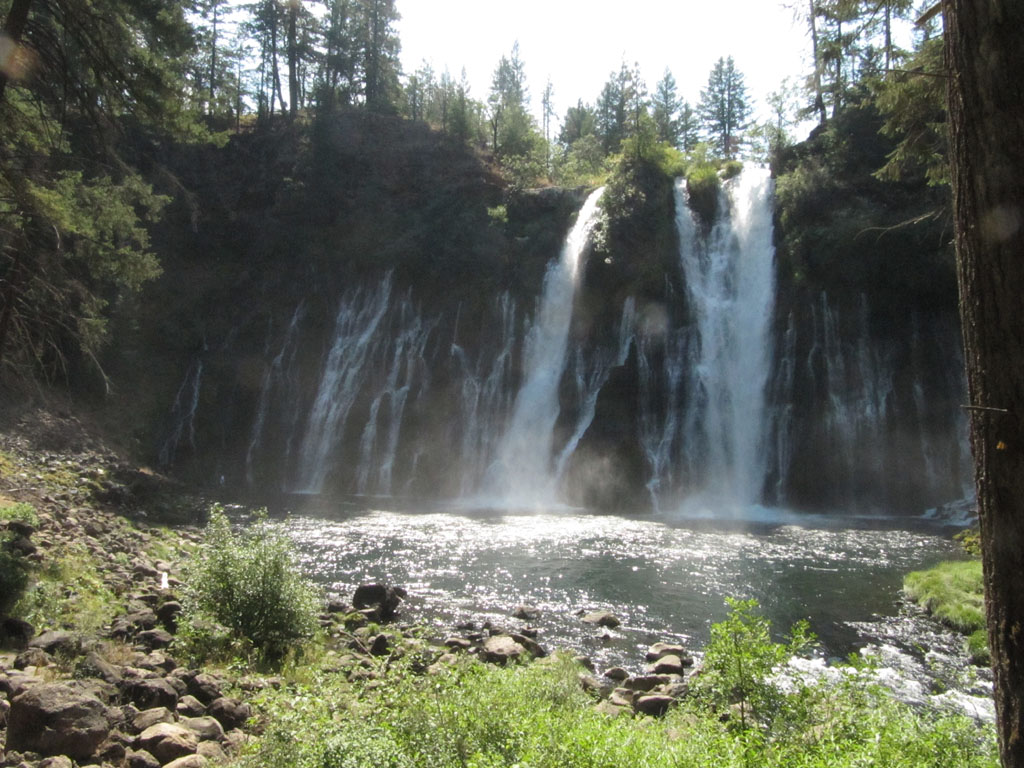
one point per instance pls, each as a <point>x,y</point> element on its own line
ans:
<point>23,513</point>
<point>731,169</point>
<point>245,586</point>
<point>741,658</point>
<point>13,574</point>
<point>703,185</point>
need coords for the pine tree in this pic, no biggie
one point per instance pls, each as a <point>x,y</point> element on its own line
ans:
<point>665,110</point>
<point>725,108</point>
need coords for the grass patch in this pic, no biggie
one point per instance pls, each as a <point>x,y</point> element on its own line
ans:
<point>21,512</point>
<point>69,593</point>
<point>954,593</point>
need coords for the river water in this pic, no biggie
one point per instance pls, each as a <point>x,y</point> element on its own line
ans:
<point>666,578</point>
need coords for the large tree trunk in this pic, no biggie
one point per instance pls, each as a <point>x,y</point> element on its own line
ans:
<point>985,56</point>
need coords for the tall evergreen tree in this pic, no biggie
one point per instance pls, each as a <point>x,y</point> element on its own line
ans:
<point>985,56</point>
<point>72,223</point>
<point>725,108</point>
<point>665,110</point>
<point>379,48</point>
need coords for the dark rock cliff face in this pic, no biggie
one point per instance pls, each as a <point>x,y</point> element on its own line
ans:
<point>357,297</point>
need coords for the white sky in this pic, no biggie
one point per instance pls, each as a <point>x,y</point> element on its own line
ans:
<point>578,44</point>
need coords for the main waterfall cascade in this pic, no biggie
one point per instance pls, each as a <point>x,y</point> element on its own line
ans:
<point>522,470</point>
<point>746,388</point>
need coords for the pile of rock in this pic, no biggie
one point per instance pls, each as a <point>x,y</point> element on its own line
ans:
<point>652,693</point>
<point>147,711</point>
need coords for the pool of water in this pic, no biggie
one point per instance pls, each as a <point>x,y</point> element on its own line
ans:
<point>666,578</point>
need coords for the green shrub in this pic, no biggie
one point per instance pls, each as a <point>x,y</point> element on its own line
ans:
<point>703,185</point>
<point>741,658</point>
<point>13,574</point>
<point>68,592</point>
<point>244,587</point>
<point>731,169</point>
<point>23,513</point>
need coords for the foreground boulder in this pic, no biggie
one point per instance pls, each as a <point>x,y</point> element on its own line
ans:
<point>501,649</point>
<point>53,719</point>
<point>380,600</point>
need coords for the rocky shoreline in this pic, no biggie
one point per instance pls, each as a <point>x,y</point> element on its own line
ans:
<point>115,695</point>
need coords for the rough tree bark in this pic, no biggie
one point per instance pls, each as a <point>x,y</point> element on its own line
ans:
<point>985,57</point>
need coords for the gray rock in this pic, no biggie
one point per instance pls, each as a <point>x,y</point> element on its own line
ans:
<point>658,650</point>
<point>206,728</point>
<point>501,649</point>
<point>189,761</point>
<point>60,761</point>
<point>57,641</point>
<point>32,657</point>
<point>652,704</point>
<point>151,717</point>
<point>212,751</point>
<point>141,759</point>
<point>53,719</point>
<point>204,687</point>
<point>382,601</point>
<point>190,706</point>
<point>616,673</point>
<point>152,692</point>
<point>586,662</point>
<point>645,682</point>
<point>94,665</point>
<point>231,713</point>
<point>155,638</point>
<point>167,741</point>
<point>380,645</point>
<point>612,710</point>
<point>457,643</point>
<point>602,619</point>
<point>670,664</point>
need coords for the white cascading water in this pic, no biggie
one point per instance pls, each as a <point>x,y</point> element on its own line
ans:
<point>273,382</point>
<point>523,472</point>
<point>485,397</point>
<point>183,412</point>
<point>730,281</point>
<point>355,332</point>
<point>406,373</point>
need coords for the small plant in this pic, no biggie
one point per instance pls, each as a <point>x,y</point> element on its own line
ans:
<point>244,587</point>
<point>731,169</point>
<point>20,512</point>
<point>741,657</point>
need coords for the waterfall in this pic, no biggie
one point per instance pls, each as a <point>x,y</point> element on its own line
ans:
<point>590,378</point>
<point>731,289</point>
<point>485,397</point>
<point>406,369</point>
<point>183,413</point>
<point>274,382</point>
<point>523,468</point>
<point>341,380</point>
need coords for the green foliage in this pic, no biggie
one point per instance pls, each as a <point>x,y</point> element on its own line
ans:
<point>731,169</point>
<point>244,587</point>
<point>23,513</point>
<point>68,592</point>
<point>953,592</point>
<point>703,184</point>
<point>725,108</point>
<point>913,104</point>
<point>740,659</point>
<point>537,715</point>
<point>970,540</point>
<point>14,573</point>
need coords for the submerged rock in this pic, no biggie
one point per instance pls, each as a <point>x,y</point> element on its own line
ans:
<point>602,619</point>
